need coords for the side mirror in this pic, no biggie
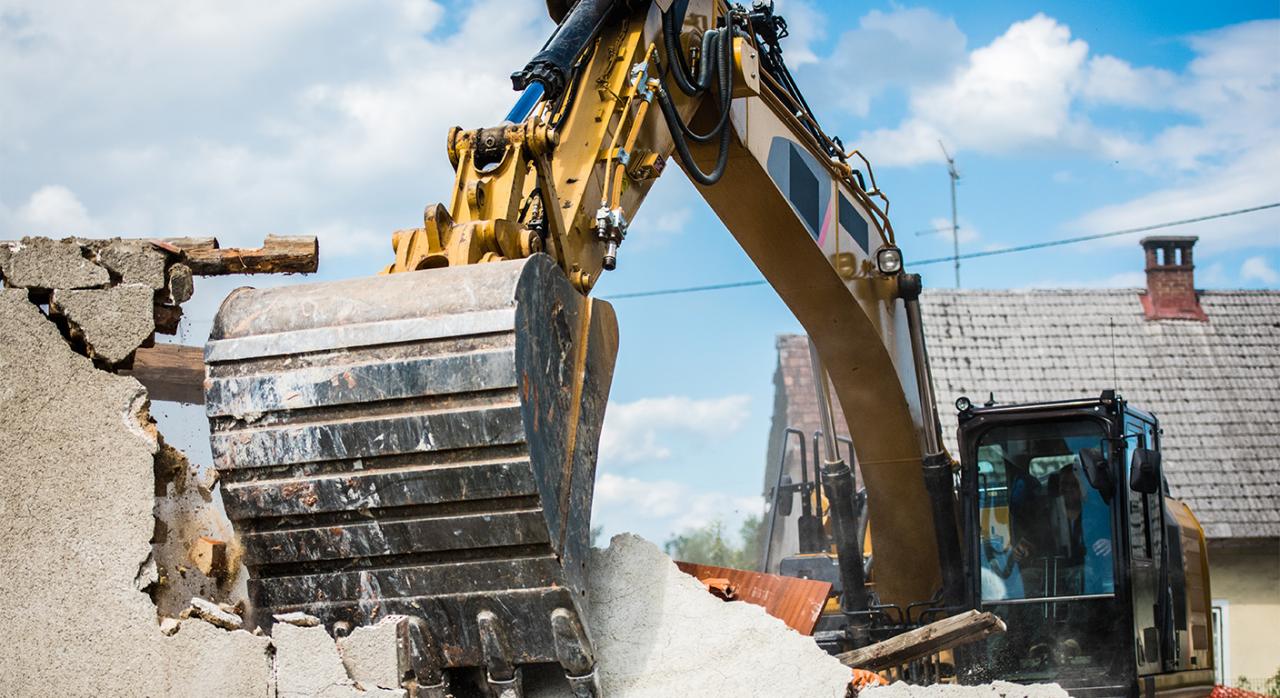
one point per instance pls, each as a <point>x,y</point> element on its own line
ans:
<point>1098,472</point>
<point>1144,471</point>
<point>784,498</point>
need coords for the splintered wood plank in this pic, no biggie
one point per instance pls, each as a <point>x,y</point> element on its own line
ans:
<point>796,602</point>
<point>935,637</point>
<point>279,254</point>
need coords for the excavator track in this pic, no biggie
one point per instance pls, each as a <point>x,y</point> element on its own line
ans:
<point>419,444</point>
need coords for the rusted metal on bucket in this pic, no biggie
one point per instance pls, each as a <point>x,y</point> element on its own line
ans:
<point>420,444</point>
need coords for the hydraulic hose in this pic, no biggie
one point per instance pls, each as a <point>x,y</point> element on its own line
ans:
<point>695,84</point>
<point>674,124</point>
<point>680,131</point>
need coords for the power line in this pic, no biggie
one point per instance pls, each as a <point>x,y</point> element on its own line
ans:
<point>690,289</point>
<point>988,253</point>
<point>1099,236</point>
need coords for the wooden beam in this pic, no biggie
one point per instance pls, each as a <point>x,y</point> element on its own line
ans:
<point>935,637</point>
<point>171,372</point>
<point>279,254</point>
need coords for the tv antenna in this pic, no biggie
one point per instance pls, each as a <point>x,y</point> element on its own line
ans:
<point>955,222</point>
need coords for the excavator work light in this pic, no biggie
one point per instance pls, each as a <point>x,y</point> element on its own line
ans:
<point>963,404</point>
<point>889,260</point>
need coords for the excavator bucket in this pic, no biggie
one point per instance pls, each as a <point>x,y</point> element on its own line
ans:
<point>419,444</point>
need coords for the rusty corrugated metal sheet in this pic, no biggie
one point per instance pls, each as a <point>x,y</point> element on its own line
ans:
<point>796,602</point>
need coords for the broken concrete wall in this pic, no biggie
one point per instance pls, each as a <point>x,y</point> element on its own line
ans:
<point>81,465</point>
<point>77,454</point>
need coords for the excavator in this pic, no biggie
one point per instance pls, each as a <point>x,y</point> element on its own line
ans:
<point>424,443</point>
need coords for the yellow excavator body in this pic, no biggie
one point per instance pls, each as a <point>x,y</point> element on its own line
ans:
<point>424,443</point>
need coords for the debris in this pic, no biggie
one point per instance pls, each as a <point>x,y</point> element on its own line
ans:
<point>298,618</point>
<point>171,372</point>
<point>210,612</point>
<point>308,664</point>
<point>659,633</point>
<point>935,637</point>
<point>168,626</point>
<point>995,689</point>
<point>113,322</point>
<point>210,557</point>
<point>167,317</point>
<point>796,602</point>
<point>41,263</point>
<point>133,261</point>
<point>371,655</point>
<point>181,285</point>
<point>279,254</point>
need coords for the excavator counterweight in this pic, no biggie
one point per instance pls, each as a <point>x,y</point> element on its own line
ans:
<point>419,444</point>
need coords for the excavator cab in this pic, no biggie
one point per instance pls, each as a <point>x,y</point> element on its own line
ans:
<point>1071,538</point>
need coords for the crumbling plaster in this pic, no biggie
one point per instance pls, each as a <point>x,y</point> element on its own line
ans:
<point>76,522</point>
<point>78,487</point>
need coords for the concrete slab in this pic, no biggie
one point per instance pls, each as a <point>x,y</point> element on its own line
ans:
<point>370,654</point>
<point>112,321</point>
<point>41,263</point>
<point>134,262</point>
<point>308,664</point>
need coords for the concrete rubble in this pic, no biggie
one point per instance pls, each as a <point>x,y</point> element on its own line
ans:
<point>995,689</point>
<point>41,263</point>
<point>659,633</point>
<point>112,322</point>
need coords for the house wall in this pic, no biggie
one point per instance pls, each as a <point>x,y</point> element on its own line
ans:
<point>1246,575</point>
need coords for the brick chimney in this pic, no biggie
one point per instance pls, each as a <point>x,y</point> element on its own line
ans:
<point>1171,288</point>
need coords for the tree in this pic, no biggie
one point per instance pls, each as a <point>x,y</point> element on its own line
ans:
<point>708,545</point>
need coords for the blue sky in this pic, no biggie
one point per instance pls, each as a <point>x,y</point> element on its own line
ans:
<point>328,117</point>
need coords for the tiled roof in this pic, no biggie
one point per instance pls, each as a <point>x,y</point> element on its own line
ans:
<point>1215,386</point>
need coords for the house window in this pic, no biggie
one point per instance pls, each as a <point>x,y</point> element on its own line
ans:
<point>1222,660</point>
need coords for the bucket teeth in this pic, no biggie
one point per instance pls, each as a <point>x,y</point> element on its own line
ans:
<point>420,444</point>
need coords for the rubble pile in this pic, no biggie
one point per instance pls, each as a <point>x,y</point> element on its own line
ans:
<point>659,633</point>
<point>995,689</point>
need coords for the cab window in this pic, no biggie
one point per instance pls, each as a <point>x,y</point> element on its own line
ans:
<point>1044,530</point>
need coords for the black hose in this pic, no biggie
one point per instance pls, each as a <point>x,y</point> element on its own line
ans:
<point>691,85</point>
<point>680,131</point>
<point>682,146</point>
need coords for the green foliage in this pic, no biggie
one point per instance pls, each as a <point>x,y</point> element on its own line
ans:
<point>709,546</point>
<point>1267,687</point>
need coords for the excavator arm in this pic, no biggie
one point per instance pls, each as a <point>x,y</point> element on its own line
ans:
<point>570,177</point>
<point>425,443</point>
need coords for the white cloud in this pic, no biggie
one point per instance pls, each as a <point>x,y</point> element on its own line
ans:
<point>239,119</point>
<point>1259,269</point>
<point>1109,80</point>
<point>1245,182</point>
<point>55,211</point>
<point>1011,93</point>
<point>659,509</point>
<point>1034,88</point>
<point>906,46</point>
<point>644,430</point>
